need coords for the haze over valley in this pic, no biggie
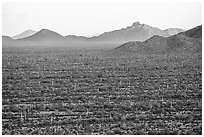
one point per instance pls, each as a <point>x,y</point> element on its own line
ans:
<point>135,32</point>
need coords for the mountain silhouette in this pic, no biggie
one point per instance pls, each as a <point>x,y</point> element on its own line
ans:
<point>187,42</point>
<point>45,35</point>
<point>7,39</point>
<point>24,34</point>
<point>136,32</point>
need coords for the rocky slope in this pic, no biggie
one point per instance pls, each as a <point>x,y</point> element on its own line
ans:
<point>188,41</point>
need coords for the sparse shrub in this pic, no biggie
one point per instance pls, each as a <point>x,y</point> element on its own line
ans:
<point>141,132</point>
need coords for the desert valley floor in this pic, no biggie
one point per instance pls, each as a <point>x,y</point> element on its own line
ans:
<point>93,91</point>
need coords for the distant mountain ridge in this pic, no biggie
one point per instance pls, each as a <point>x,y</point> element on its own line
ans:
<point>189,41</point>
<point>136,32</point>
<point>24,34</point>
<point>45,35</point>
<point>173,31</point>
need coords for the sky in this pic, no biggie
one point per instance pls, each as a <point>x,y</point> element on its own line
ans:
<point>90,18</point>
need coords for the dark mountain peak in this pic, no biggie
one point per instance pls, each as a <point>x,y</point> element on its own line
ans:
<point>47,32</point>
<point>136,24</point>
<point>44,31</point>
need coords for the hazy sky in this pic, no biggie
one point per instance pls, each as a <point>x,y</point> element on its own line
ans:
<point>91,18</point>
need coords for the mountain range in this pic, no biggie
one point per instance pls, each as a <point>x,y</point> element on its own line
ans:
<point>136,32</point>
<point>189,41</point>
<point>24,34</point>
<point>138,38</point>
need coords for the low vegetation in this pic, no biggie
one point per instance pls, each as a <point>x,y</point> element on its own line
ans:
<point>63,91</point>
